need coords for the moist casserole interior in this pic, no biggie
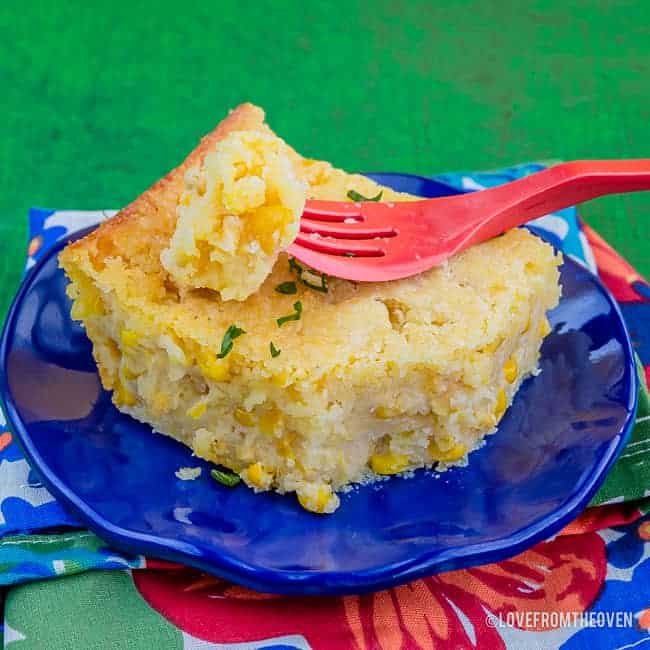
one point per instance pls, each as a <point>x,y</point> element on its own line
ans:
<point>372,379</point>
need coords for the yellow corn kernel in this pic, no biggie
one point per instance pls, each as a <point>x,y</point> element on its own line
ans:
<point>510,370</point>
<point>492,347</point>
<point>186,199</point>
<point>319,503</point>
<point>244,418</point>
<point>196,411</point>
<point>319,499</point>
<point>269,421</point>
<point>500,406</point>
<point>129,338</point>
<point>388,463</point>
<point>122,396</point>
<point>280,379</point>
<point>257,476</point>
<point>264,221</point>
<point>213,368</point>
<point>445,453</point>
<point>544,327</point>
<point>384,413</point>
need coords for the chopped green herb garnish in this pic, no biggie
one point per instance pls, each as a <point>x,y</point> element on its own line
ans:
<point>288,288</point>
<point>309,278</point>
<point>294,266</point>
<point>226,344</point>
<point>349,254</point>
<point>355,196</point>
<point>225,478</point>
<point>295,316</point>
<point>274,350</point>
<point>313,280</point>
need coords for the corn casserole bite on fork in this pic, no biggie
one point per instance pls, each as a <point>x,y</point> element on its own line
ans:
<point>240,208</point>
<point>303,386</point>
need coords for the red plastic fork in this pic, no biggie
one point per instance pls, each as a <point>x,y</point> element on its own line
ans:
<point>371,242</point>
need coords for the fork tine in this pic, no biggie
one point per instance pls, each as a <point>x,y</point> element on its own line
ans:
<point>331,211</point>
<point>351,268</point>
<point>334,265</point>
<point>346,248</point>
<point>356,230</point>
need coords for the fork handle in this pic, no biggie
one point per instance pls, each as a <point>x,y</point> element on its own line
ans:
<point>500,208</point>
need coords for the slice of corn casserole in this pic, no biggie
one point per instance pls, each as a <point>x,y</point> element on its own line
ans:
<point>304,390</point>
<point>240,208</point>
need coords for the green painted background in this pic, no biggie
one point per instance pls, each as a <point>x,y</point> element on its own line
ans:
<point>98,99</point>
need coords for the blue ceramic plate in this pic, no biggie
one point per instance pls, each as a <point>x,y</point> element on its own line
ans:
<point>552,451</point>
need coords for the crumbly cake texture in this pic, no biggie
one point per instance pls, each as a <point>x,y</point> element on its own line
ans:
<point>371,378</point>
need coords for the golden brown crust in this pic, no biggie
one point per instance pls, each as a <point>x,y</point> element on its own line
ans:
<point>155,209</point>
